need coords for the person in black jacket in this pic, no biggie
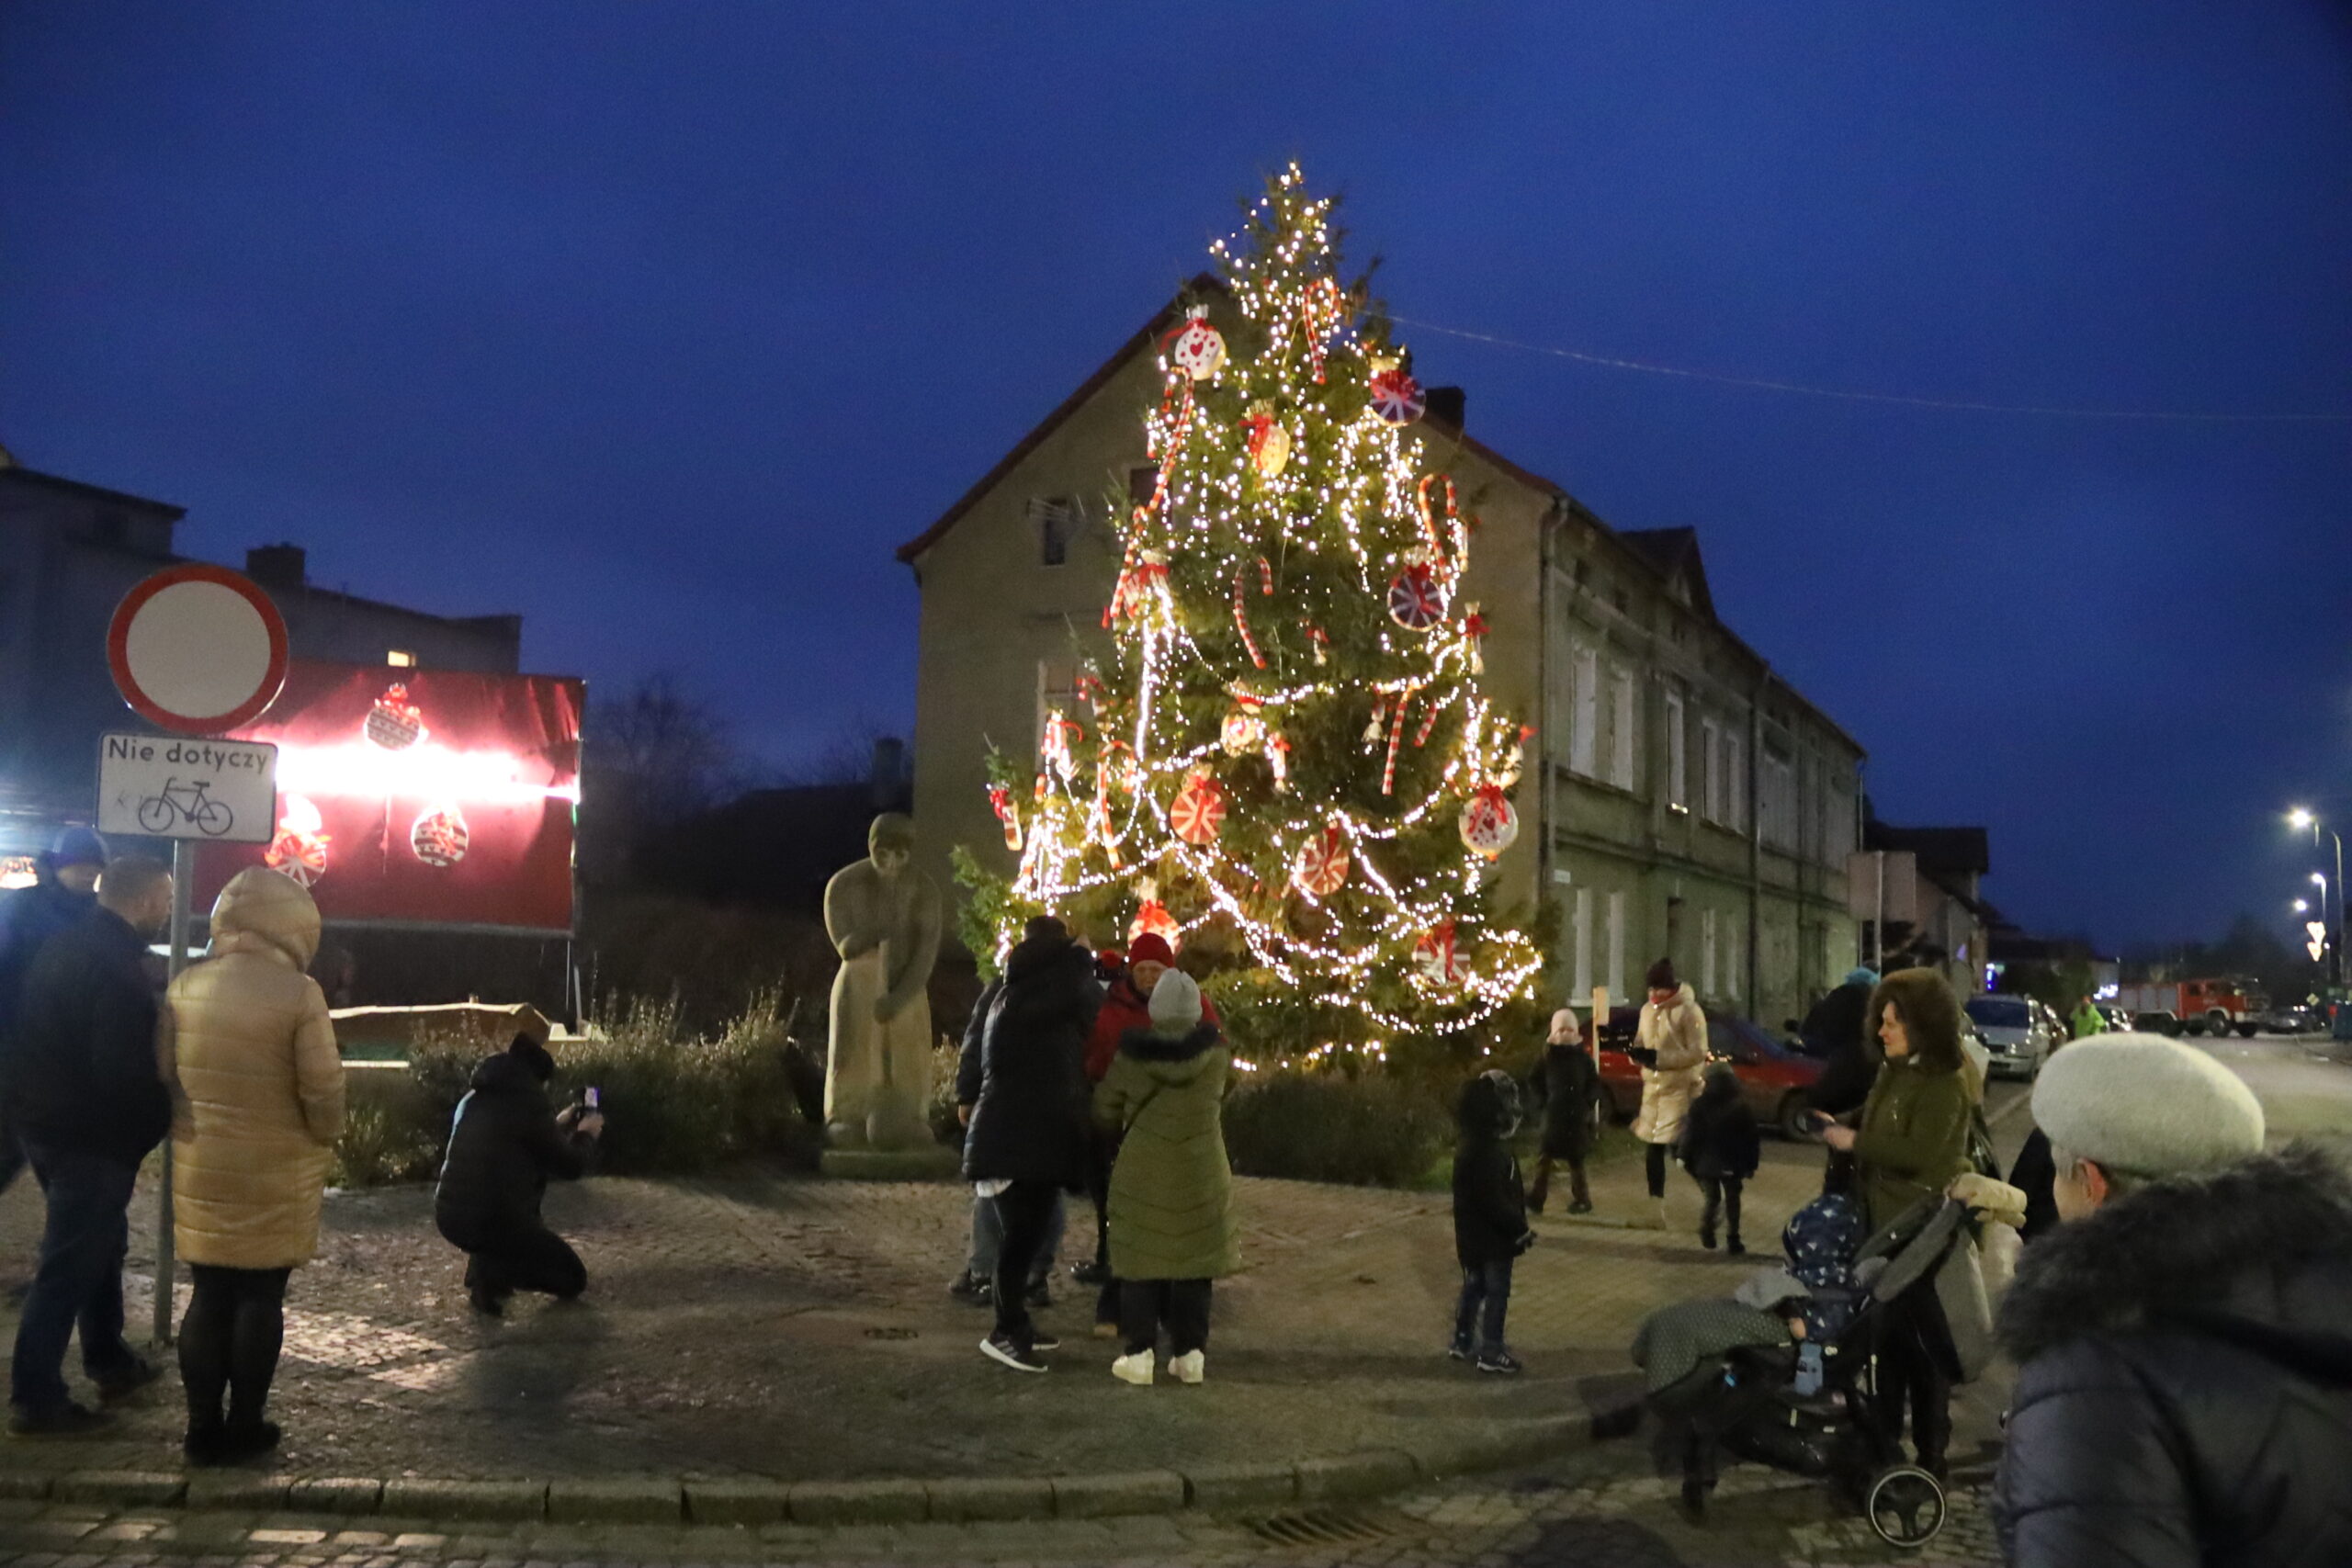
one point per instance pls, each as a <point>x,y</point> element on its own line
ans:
<point>976,1283</point>
<point>63,893</point>
<point>1837,1028</point>
<point>1026,1142</point>
<point>86,1090</point>
<point>1490,1226</point>
<point>1567,1086</point>
<point>2184,1337</point>
<point>1721,1150</point>
<point>504,1145</point>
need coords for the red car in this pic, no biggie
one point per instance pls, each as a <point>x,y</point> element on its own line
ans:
<point>1775,1073</point>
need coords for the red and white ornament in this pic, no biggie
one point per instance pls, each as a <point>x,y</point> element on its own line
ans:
<point>1153,920</point>
<point>1489,822</point>
<point>1322,866</point>
<point>1060,734</point>
<point>1197,348</point>
<point>1436,958</point>
<point>299,850</point>
<point>394,723</point>
<point>1000,801</point>
<point>439,836</point>
<point>1268,441</point>
<point>1416,599</point>
<point>1198,814</point>
<point>1396,397</point>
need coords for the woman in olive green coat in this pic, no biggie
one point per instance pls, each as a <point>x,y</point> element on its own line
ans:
<point>1912,1142</point>
<point>1171,1189</point>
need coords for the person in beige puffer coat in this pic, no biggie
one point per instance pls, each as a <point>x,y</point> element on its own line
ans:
<point>1671,1045</point>
<point>258,1098</point>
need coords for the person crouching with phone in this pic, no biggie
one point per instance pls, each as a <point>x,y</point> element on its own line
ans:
<point>503,1146</point>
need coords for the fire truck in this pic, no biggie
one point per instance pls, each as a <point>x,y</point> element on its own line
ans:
<point>2203,1006</point>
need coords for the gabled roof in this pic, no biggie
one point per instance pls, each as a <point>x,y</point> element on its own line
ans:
<point>1169,314</point>
<point>1675,553</point>
<point>11,470</point>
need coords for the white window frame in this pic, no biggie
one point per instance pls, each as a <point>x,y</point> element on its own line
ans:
<point>1584,732</point>
<point>1735,961</point>
<point>1583,935</point>
<point>1735,782</point>
<point>1615,973</point>
<point>1706,955</point>
<point>1621,729</point>
<point>1677,759</point>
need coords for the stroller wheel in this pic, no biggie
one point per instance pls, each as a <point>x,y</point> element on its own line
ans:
<point>1904,1506</point>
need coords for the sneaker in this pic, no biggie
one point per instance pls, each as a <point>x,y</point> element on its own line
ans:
<point>1656,1220</point>
<point>66,1420</point>
<point>1734,1247</point>
<point>1007,1351</point>
<point>965,1287</point>
<point>119,1385</point>
<point>1041,1340</point>
<point>1458,1351</point>
<point>1189,1368</point>
<point>1135,1368</point>
<point>1091,1274</point>
<point>247,1441</point>
<point>1040,1296</point>
<point>1500,1362</point>
<point>1707,1240</point>
<point>487,1303</point>
<point>1582,1206</point>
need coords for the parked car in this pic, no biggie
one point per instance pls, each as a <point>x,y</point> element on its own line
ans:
<point>2156,1021</point>
<point>2291,1018</point>
<point>1774,1071</point>
<point>2018,1030</point>
<point>2118,1021</point>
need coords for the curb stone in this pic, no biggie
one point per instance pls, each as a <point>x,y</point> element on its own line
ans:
<point>665,1500</point>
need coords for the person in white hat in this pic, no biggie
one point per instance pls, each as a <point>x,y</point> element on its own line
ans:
<point>2184,1336</point>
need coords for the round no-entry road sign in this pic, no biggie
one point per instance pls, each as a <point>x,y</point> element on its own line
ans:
<point>198,648</point>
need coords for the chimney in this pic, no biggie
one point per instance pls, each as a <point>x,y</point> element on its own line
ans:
<point>890,776</point>
<point>275,565</point>
<point>1444,405</point>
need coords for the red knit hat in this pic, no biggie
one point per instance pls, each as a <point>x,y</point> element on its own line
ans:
<point>1150,948</point>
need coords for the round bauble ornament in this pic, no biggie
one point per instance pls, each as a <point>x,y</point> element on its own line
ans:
<point>1197,348</point>
<point>394,723</point>
<point>1198,813</point>
<point>1322,867</point>
<point>1243,731</point>
<point>1436,957</point>
<point>1153,920</point>
<point>439,837</point>
<point>299,850</point>
<point>1416,602</point>
<point>1396,397</point>
<point>1489,822</point>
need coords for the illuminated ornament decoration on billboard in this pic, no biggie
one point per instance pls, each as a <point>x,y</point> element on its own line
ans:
<point>394,723</point>
<point>439,837</point>
<point>299,850</point>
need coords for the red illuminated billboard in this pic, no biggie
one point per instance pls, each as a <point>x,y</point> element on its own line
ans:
<point>425,797</point>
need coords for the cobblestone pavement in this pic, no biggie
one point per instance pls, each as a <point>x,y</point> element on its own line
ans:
<point>800,1328</point>
<point>1603,1508</point>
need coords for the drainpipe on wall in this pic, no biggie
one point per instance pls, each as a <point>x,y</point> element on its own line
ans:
<point>1553,517</point>
<point>1755,835</point>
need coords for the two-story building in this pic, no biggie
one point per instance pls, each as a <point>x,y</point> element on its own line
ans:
<point>1681,799</point>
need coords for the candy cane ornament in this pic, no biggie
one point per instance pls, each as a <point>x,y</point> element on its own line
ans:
<point>1396,738</point>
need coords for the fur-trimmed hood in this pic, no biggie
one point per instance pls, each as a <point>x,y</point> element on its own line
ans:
<point>2259,1255</point>
<point>1174,1060</point>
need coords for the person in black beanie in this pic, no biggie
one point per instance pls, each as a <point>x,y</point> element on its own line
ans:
<point>503,1146</point>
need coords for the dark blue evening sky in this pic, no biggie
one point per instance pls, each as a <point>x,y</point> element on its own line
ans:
<point>664,323</point>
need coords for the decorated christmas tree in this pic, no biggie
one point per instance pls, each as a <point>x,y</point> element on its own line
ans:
<point>1284,762</point>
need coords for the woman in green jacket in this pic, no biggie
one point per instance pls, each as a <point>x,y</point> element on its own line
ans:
<point>1912,1141</point>
<point>1171,1189</point>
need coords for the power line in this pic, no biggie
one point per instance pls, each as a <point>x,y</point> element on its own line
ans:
<point>1954,404</point>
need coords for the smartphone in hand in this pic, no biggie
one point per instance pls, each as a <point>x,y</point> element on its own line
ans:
<point>592,1099</point>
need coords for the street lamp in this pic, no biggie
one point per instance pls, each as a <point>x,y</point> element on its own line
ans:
<point>2303,906</point>
<point>2299,819</point>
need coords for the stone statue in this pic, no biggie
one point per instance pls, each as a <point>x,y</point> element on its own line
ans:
<point>883,918</point>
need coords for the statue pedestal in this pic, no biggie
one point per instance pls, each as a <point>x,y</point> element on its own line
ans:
<point>935,1163</point>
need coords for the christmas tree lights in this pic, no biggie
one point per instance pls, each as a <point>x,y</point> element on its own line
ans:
<point>1284,754</point>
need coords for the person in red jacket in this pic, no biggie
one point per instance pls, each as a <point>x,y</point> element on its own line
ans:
<point>1126,1006</point>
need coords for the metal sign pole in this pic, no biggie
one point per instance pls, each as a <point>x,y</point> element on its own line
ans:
<point>183,880</point>
<point>1878,924</point>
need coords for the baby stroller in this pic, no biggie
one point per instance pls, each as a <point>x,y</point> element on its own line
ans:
<point>1751,1390</point>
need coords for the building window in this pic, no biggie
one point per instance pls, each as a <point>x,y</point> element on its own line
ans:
<point>1711,769</point>
<point>1584,732</point>
<point>1777,816</point>
<point>1143,483</point>
<point>1057,693</point>
<point>1736,960</point>
<point>1616,970</point>
<point>1621,729</point>
<point>1583,920</point>
<point>1734,815</point>
<point>400,659</point>
<point>1054,517</point>
<point>1706,955</point>
<point>1678,761</point>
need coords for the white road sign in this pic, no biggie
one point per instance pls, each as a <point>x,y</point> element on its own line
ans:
<point>184,787</point>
